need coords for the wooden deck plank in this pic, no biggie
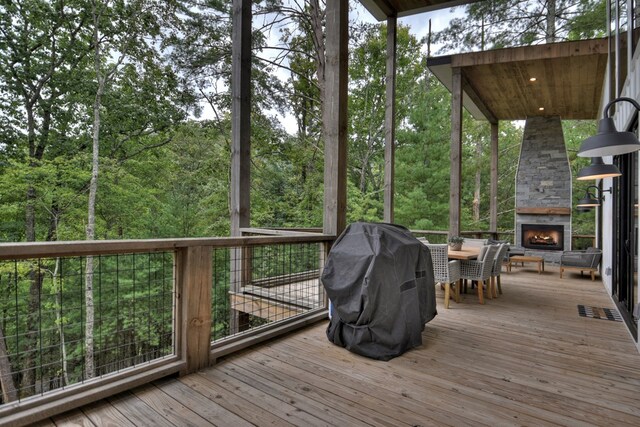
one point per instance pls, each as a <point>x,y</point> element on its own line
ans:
<point>137,411</point>
<point>278,403</point>
<point>43,423</point>
<point>74,418</point>
<point>352,411</point>
<point>246,409</point>
<point>207,409</point>
<point>518,362</point>
<point>525,358</point>
<point>434,389</point>
<point>339,383</point>
<point>102,413</point>
<point>172,410</point>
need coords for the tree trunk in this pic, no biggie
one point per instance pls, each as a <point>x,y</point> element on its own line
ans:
<point>27,384</point>
<point>60,322</point>
<point>551,22</point>
<point>9,392</point>
<point>93,190</point>
<point>317,17</point>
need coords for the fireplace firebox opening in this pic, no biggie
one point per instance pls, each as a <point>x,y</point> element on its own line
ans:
<point>543,236</point>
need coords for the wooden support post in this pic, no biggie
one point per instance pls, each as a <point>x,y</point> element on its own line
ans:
<point>241,116</point>
<point>240,198</point>
<point>493,203</point>
<point>194,274</point>
<point>456,153</point>
<point>390,119</point>
<point>334,118</point>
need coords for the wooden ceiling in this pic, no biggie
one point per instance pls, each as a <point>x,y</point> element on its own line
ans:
<point>381,9</point>
<point>497,84</point>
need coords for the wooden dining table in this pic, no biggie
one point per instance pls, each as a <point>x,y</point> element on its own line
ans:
<point>465,253</point>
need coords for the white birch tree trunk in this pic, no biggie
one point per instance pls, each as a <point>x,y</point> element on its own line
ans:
<point>551,22</point>
<point>93,191</point>
<point>59,322</point>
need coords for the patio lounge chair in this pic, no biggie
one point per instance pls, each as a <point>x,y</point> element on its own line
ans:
<point>582,261</point>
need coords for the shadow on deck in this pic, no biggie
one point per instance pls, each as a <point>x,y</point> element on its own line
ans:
<point>526,358</point>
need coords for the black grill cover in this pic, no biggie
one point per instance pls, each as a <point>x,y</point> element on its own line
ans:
<point>379,279</point>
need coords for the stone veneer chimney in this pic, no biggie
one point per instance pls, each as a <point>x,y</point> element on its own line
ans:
<point>543,182</point>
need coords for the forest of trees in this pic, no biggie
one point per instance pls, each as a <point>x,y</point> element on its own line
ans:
<point>100,136</point>
<point>115,124</point>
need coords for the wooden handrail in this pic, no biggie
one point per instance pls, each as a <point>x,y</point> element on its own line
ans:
<point>22,250</point>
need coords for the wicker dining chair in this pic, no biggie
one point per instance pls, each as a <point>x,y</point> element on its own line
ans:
<point>445,272</point>
<point>497,268</point>
<point>480,269</point>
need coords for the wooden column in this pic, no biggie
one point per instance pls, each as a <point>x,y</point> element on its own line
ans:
<point>335,118</point>
<point>240,198</point>
<point>240,116</point>
<point>390,119</point>
<point>194,272</point>
<point>456,153</point>
<point>493,204</point>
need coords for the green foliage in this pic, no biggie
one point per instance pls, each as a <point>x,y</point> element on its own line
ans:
<point>574,132</point>
<point>494,24</point>
<point>367,75</point>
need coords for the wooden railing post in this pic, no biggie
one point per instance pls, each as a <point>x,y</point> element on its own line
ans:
<point>193,287</point>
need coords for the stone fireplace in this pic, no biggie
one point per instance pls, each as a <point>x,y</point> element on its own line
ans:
<point>543,190</point>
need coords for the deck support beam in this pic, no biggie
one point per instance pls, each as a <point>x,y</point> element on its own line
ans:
<point>390,119</point>
<point>241,117</point>
<point>335,117</point>
<point>240,197</point>
<point>456,153</point>
<point>493,203</point>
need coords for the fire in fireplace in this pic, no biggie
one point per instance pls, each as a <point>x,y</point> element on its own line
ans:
<point>543,236</point>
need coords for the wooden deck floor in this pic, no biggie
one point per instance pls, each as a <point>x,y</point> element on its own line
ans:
<point>526,358</point>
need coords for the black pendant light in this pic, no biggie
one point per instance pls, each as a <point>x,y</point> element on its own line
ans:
<point>590,199</point>
<point>598,170</point>
<point>608,141</point>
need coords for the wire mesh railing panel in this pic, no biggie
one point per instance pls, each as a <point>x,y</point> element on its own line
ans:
<point>258,285</point>
<point>66,320</point>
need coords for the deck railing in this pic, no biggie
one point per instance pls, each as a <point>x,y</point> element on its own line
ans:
<point>83,320</point>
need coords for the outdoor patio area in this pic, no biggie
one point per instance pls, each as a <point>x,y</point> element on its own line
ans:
<point>526,358</point>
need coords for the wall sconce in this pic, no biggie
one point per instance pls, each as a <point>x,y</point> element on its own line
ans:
<point>590,200</point>
<point>608,141</point>
<point>598,170</point>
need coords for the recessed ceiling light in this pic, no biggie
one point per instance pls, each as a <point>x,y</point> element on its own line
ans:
<point>532,79</point>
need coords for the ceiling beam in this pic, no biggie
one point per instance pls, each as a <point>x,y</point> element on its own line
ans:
<point>468,88</point>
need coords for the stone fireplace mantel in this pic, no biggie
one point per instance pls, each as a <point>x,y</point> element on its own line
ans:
<point>543,211</point>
